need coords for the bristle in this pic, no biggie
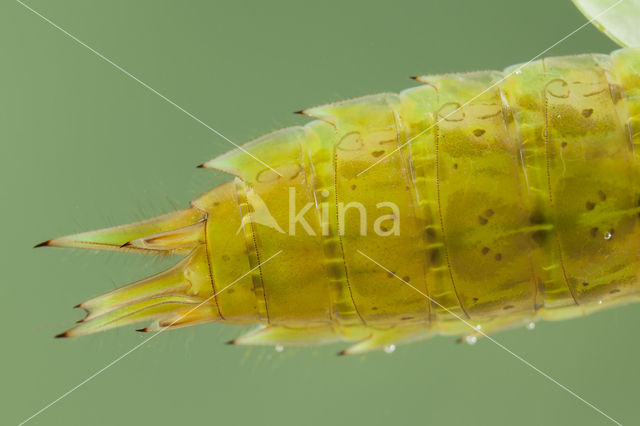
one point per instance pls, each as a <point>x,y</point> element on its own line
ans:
<point>143,310</point>
<point>116,238</point>
<point>177,297</point>
<point>172,280</point>
<point>167,297</point>
<point>274,335</point>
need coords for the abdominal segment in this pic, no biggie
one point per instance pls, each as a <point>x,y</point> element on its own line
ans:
<point>469,204</point>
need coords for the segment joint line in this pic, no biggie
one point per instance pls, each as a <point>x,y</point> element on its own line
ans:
<point>500,345</point>
<point>516,70</point>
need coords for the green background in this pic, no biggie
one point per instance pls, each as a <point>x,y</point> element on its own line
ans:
<point>83,146</point>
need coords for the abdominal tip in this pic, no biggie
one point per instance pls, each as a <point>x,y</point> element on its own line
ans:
<point>43,244</point>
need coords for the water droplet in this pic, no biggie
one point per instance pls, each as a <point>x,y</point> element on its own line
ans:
<point>608,235</point>
<point>478,327</point>
<point>471,340</point>
<point>559,116</point>
<point>518,72</point>
<point>531,325</point>
<point>390,349</point>
<point>325,193</point>
<point>279,348</point>
<point>599,302</point>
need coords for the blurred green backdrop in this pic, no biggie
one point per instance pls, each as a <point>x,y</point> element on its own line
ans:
<point>83,146</point>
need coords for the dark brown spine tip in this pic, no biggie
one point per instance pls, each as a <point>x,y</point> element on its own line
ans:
<point>414,77</point>
<point>79,305</point>
<point>342,352</point>
<point>125,245</point>
<point>200,166</point>
<point>301,112</point>
<point>231,342</point>
<point>61,335</point>
<point>142,330</point>
<point>44,244</point>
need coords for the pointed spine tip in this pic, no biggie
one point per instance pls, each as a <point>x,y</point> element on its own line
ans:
<point>414,77</point>
<point>43,244</point>
<point>301,112</point>
<point>61,335</point>
<point>127,244</point>
<point>200,166</point>
<point>343,352</point>
<point>231,342</point>
<point>142,330</point>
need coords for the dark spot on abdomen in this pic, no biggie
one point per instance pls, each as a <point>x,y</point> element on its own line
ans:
<point>536,217</point>
<point>435,257</point>
<point>539,237</point>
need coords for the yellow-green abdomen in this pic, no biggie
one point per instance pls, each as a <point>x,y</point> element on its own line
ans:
<point>520,201</point>
<point>482,199</point>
